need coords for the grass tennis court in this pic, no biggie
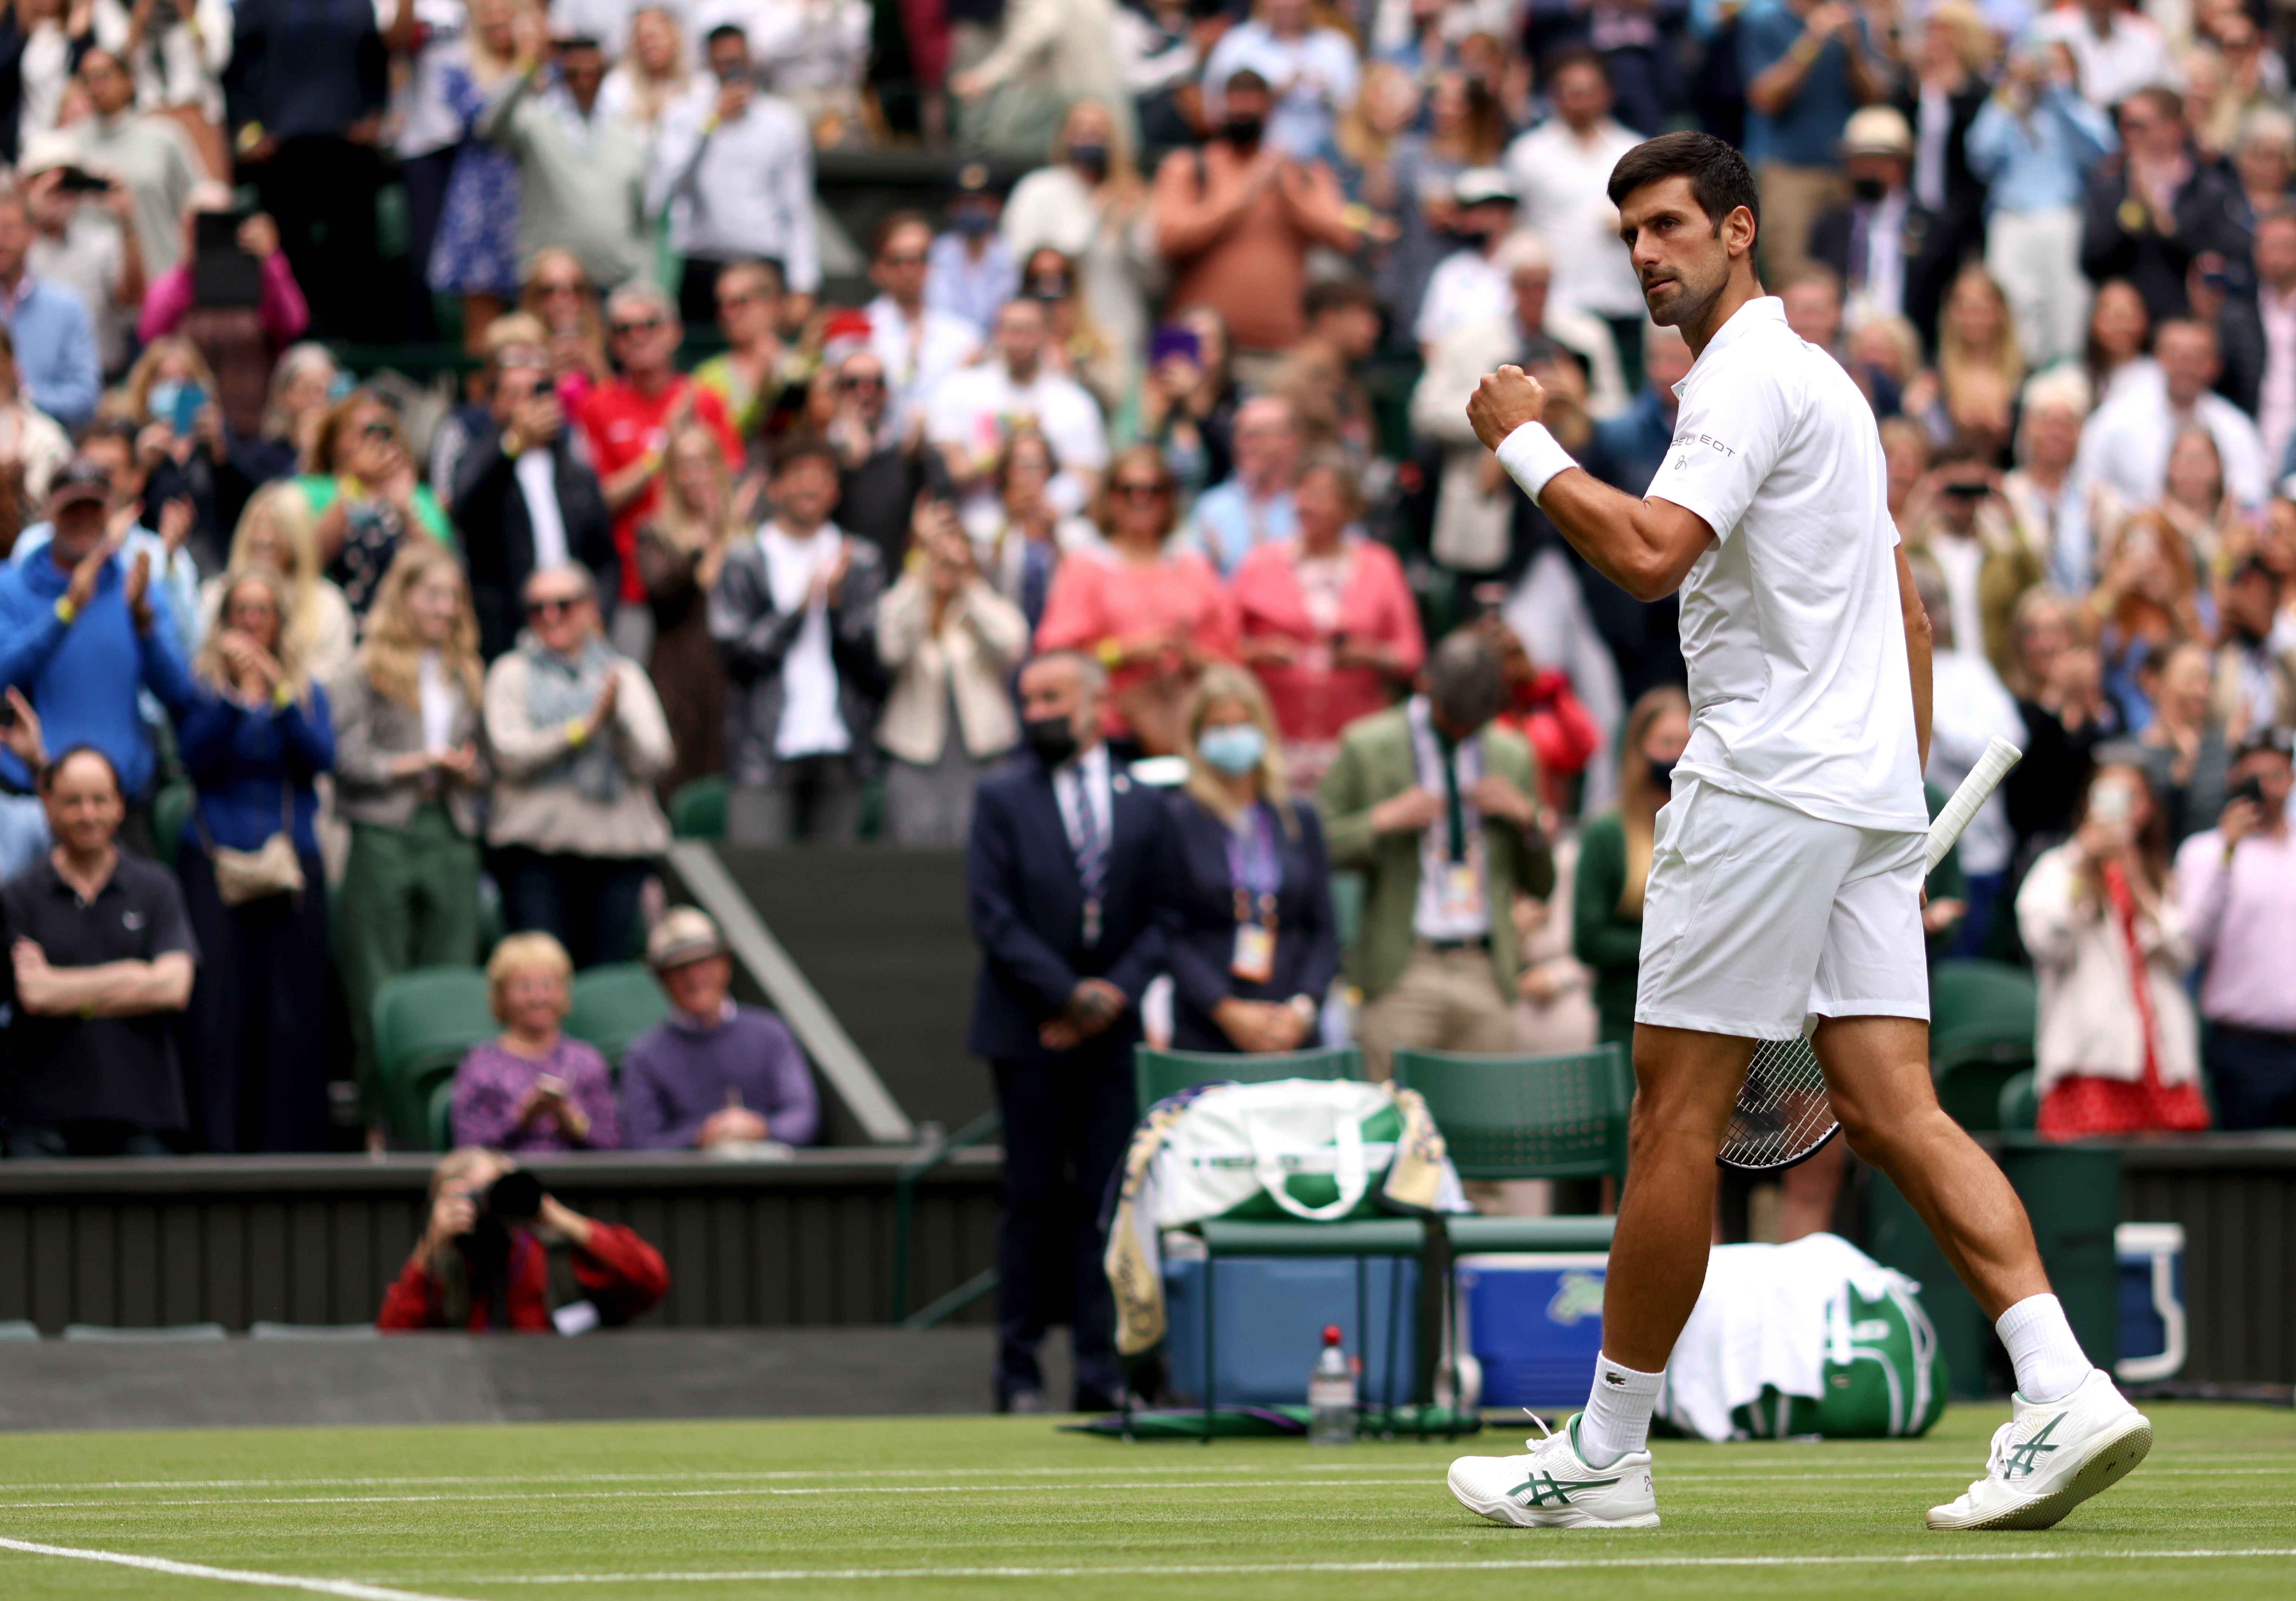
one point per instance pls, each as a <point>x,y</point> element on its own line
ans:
<point>902,1509</point>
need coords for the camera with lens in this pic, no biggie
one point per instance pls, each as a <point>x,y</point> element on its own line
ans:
<point>513,1198</point>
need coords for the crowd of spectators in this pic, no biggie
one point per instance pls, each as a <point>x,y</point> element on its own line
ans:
<point>1182,408</point>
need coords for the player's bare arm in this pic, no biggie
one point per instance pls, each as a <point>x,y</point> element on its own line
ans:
<point>1645,547</point>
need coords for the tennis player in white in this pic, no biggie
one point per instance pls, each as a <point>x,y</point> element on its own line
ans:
<point>1786,873</point>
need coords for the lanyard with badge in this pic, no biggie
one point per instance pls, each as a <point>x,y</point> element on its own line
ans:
<point>1459,873</point>
<point>1255,872</point>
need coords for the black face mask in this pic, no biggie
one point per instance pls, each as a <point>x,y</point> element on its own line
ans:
<point>1868,189</point>
<point>1053,738</point>
<point>1244,132</point>
<point>1662,774</point>
<point>1091,159</point>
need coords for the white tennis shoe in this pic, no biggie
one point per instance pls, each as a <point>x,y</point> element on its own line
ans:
<point>1553,1488</point>
<point>2050,1457</point>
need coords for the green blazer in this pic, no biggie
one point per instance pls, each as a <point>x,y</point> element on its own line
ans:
<point>1375,764</point>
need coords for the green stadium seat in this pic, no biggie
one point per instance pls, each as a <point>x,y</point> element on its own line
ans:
<point>171,809</point>
<point>613,1005</point>
<point>1510,1117</point>
<point>698,810</point>
<point>425,1022</point>
<point>2021,1103</point>
<point>1156,1073</point>
<point>1982,1019</point>
<point>1513,1117</point>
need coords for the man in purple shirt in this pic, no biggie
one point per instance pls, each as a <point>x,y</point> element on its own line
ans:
<point>715,1072</point>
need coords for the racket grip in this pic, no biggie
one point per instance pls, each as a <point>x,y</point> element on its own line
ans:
<point>1983,779</point>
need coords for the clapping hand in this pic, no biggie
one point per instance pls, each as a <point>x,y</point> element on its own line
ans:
<point>602,710</point>
<point>22,734</point>
<point>82,587</point>
<point>138,592</point>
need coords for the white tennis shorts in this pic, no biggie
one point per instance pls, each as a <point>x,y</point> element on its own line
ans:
<point>1757,914</point>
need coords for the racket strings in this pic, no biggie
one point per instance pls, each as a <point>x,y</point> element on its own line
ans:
<point>1782,1113</point>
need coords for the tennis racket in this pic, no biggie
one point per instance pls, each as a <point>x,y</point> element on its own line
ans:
<point>1783,1116</point>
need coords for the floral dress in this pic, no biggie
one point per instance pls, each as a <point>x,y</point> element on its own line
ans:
<point>476,250</point>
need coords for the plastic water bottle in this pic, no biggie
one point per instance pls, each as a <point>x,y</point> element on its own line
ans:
<point>1331,1395</point>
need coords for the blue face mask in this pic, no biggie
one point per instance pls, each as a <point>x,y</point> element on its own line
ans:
<point>1235,749</point>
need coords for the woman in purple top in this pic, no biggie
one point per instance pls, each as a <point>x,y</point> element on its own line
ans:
<point>715,1073</point>
<point>533,1089</point>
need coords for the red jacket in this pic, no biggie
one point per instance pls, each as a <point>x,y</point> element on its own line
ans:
<point>1559,733</point>
<point>624,1276</point>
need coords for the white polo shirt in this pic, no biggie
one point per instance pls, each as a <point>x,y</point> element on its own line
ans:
<point>1791,625</point>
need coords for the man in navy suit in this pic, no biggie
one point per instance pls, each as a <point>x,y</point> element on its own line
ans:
<point>1064,856</point>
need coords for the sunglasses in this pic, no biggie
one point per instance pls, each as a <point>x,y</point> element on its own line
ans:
<point>907,258</point>
<point>622,330</point>
<point>375,430</point>
<point>861,380</point>
<point>1139,490</point>
<point>558,288</point>
<point>742,299</point>
<point>552,609</point>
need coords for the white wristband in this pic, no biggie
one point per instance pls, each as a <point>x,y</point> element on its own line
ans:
<point>1531,457</point>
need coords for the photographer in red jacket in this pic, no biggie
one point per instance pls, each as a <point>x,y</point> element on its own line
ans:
<point>502,1253</point>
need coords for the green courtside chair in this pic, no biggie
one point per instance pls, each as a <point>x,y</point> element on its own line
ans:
<point>425,1021</point>
<point>1506,1117</point>
<point>613,1005</point>
<point>1982,1019</point>
<point>1156,1073</point>
<point>698,810</point>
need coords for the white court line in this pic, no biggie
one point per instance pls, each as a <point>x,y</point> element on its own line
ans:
<point>1762,1465</point>
<point>351,1588</point>
<point>1942,1472</point>
<point>1275,1569</point>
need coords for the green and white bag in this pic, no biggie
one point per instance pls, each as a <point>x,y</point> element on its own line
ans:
<point>1310,1150</point>
<point>1883,1375</point>
<point>1815,1337</point>
<point>1314,1149</point>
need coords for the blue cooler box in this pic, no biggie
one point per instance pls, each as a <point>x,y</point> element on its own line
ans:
<point>2152,1260</point>
<point>1268,1325</point>
<point>1534,1323</point>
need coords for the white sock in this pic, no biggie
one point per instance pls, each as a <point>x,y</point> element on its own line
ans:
<point>2049,1363</point>
<point>1617,1412</point>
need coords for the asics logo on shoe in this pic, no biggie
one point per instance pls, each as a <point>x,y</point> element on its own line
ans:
<point>2026,1458</point>
<point>1545,1487</point>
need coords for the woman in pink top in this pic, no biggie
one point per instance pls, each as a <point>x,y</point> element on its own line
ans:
<point>1328,621</point>
<point>1153,617</point>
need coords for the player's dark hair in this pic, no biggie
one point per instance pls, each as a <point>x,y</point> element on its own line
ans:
<point>1720,181</point>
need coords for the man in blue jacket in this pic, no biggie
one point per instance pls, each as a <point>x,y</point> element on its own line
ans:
<point>1065,853</point>
<point>80,633</point>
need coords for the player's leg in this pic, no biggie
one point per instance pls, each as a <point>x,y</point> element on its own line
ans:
<point>2071,1433</point>
<point>1877,1075</point>
<point>1733,918</point>
<point>1684,1083</point>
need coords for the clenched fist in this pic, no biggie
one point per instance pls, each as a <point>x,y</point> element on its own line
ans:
<point>1503,402</point>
